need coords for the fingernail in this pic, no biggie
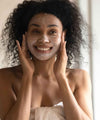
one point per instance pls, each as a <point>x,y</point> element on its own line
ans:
<point>65,42</point>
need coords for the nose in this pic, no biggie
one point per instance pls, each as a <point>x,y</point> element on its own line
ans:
<point>43,39</point>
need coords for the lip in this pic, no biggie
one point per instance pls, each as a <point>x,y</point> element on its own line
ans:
<point>43,46</point>
<point>42,51</point>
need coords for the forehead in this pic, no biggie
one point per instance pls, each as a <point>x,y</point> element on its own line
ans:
<point>45,19</point>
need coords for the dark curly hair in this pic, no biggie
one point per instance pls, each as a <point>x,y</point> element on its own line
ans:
<point>66,11</point>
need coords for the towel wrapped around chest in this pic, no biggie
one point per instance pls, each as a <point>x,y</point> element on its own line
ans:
<point>55,112</point>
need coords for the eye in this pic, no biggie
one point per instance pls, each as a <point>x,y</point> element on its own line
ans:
<point>35,31</point>
<point>52,32</point>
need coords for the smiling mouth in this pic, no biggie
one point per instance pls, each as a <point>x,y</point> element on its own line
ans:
<point>43,49</point>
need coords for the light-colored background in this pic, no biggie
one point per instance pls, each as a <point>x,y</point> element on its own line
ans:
<point>90,10</point>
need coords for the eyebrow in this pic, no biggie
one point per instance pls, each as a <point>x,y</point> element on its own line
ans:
<point>36,25</point>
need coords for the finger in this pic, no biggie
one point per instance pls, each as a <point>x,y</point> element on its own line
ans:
<point>63,51</point>
<point>24,46</point>
<point>61,47</point>
<point>19,50</point>
<point>64,47</point>
<point>62,37</point>
<point>18,45</point>
<point>23,43</point>
<point>59,53</point>
<point>62,42</point>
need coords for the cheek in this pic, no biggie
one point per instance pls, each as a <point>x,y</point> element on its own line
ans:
<point>30,43</point>
<point>57,40</point>
<point>31,40</point>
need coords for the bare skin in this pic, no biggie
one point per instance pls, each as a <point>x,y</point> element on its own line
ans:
<point>9,89</point>
<point>37,83</point>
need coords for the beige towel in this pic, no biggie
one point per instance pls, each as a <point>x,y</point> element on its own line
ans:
<point>55,112</point>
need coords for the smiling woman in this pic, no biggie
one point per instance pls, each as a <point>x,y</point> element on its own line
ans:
<point>46,36</point>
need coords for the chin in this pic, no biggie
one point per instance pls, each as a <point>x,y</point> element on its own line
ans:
<point>45,59</point>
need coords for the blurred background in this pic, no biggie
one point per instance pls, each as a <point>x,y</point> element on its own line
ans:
<point>90,10</point>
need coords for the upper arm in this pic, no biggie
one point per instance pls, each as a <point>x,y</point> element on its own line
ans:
<point>7,96</point>
<point>83,94</point>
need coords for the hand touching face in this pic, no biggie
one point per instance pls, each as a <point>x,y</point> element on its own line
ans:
<point>61,61</point>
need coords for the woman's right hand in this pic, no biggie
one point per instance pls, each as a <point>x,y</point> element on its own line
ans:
<point>25,60</point>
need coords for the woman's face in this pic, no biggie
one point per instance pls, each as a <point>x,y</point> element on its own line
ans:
<point>44,36</point>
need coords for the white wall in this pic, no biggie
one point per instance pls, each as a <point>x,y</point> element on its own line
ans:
<point>96,50</point>
<point>6,7</point>
<point>96,56</point>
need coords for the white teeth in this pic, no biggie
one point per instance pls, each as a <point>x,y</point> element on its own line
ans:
<point>43,49</point>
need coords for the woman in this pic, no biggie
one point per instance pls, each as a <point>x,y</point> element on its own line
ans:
<point>48,36</point>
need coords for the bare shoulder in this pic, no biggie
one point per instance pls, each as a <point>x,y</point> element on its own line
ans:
<point>7,95</point>
<point>8,75</point>
<point>5,75</point>
<point>79,76</point>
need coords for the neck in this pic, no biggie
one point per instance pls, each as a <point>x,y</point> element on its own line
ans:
<point>44,68</point>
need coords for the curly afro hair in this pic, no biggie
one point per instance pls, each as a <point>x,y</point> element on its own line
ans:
<point>17,24</point>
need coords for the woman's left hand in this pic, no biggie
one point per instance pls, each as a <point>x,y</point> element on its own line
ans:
<point>61,61</point>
